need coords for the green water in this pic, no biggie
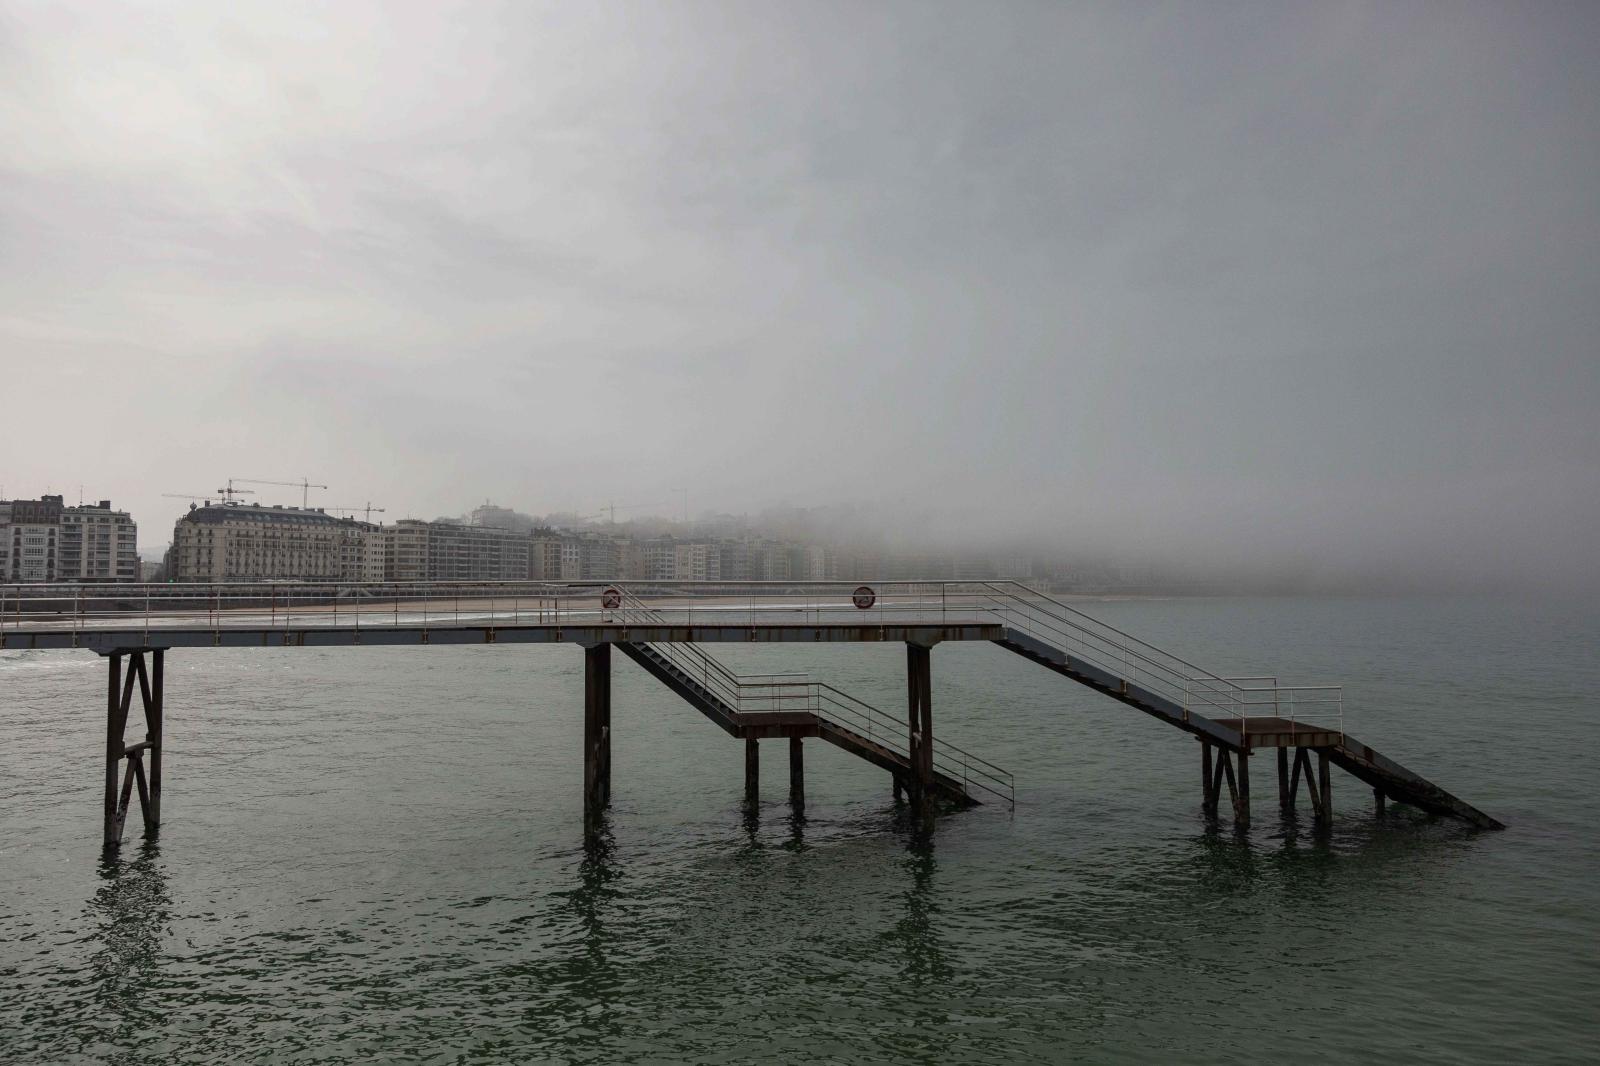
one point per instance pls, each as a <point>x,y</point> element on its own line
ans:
<point>375,855</point>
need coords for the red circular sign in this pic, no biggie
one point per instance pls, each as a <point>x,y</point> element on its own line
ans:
<point>863,597</point>
<point>611,599</point>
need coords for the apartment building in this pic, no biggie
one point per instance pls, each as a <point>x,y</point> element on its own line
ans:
<point>554,557</point>
<point>97,544</point>
<point>450,551</point>
<point>44,540</point>
<point>249,542</point>
<point>697,562</point>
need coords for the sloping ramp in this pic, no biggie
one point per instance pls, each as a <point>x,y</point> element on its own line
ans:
<point>1401,785</point>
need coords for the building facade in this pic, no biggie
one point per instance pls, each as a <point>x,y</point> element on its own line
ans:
<point>97,544</point>
<point>249,542</point>
<point>449,551</point>
<point>554,557</point>
<point>43,540</point>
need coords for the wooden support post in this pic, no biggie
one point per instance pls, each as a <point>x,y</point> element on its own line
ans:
<point>919,689</point>
<point>1241,802</point>
<point>899,790</point>
<point>1324,786</point>
<point>1208,784</point>
<point>596,716</point>
<point>797,775</point>
<point>1380,801</point>
<point>1285,797</point>
<point>752,772</point>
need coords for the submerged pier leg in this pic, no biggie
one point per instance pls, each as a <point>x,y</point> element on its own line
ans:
<point>116,719</point>
<point>1285,797</point>
<point>797,775</point>
<point>1380,801</point>
<point>155,728</point>
<point>752,772</point>
<point>1324,787</point>
<point>1208,786</point>
<point>596,731</point>
<point>120,783</point>
<point>1241,799</point>
<point>919,690</point>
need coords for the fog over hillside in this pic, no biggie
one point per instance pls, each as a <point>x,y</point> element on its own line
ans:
<point>1300,294</point>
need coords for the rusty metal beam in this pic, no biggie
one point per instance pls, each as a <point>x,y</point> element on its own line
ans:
<point>120,782</point>
<point>752,772</point>
<point>797,774</point>
<point>596,727</point>
<point>919,722</point>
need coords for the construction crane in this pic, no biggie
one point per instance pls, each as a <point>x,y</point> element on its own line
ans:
<point>304,485</point>
<point>368,509</point>
<point>611,510</point>
<point>227,494</point>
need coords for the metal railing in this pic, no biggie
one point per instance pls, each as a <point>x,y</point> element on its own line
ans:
<point>1009,604</point>
<point>797,692</point>
<point>1158,671</point>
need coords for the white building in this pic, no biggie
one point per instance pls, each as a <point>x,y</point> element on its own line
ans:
<point>697,562</point>
<point>29,539</point>
<point>249,542</point>
<point>30,552</point>
<point>97,544</point>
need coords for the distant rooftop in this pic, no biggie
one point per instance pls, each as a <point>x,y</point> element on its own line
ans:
<point>217,513</point>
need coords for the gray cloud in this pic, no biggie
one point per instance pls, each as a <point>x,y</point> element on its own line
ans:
<point>1309,286</point>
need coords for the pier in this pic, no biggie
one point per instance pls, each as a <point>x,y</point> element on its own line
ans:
<point>671,632</point>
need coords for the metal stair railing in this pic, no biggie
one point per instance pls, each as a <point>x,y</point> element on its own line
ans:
<point>754,693</point>
<point>1123,655</point>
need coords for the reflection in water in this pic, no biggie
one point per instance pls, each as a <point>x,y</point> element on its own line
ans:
<point>797,833</point>
<point>131,913</point>
<point>916,933</point>
<point>594,972</point>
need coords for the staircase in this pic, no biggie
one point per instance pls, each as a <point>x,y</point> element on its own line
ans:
<point>1241,714</point>
<point>771,705</point>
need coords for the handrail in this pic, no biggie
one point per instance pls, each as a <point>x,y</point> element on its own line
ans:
<point>1007,605</point>
<point>814,694</point>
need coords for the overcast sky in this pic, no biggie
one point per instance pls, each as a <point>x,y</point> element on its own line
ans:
<point>1220,281</point>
